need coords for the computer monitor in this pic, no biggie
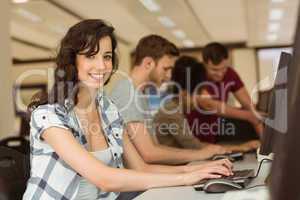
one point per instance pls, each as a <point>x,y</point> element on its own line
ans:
<point>286,165</point>
<point>276,121</point>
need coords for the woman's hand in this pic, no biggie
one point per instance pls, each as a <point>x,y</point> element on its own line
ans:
<point>224,162</point>
<point>245,147</point>
<point>251,145</point>
<point>213,149</point>
<point>207,172</point>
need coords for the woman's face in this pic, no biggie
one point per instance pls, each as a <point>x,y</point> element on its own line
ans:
<point>95,70</point>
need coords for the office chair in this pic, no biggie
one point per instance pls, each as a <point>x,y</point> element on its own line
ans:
<point>14,173</point>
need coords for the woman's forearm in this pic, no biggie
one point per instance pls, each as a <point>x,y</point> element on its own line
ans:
<point>122,180</point>
<point>164,168</point>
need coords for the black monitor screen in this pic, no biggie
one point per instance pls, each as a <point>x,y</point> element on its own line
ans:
<point>276,122</point>
<point>285,169</point>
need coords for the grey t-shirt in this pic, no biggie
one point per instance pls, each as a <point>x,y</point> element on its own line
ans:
<point>132,103</point>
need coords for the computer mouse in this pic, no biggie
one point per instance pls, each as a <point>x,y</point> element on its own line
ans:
<point>220,186</point>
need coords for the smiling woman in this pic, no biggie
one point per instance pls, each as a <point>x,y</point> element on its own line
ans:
<point>96,69</point>
<point>79,145</point>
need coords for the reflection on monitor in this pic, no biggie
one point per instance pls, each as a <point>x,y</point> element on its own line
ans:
<point>263,100</point>
<point>276,122</point>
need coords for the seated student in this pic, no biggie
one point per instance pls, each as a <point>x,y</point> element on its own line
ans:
<point>172,128</point>
<point>78,141</point>
<point>154,59</point>
<point>221,79</point>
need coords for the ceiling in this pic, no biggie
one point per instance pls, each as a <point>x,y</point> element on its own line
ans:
<point>38,25</point>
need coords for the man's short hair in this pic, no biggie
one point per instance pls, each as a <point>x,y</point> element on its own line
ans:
<point>154,46</point>
<point>214,52</point>
<point>187,73</point>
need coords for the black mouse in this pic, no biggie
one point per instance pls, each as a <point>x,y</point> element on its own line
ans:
<point>220,186</point>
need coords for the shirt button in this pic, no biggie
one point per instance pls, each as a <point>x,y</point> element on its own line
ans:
<point>115,154</point>
<point>108,140</point>
<point>117,135</point>
<point>118,166</point>
<point>44,117</point>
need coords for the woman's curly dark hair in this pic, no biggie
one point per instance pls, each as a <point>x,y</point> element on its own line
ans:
<point>82,38</point>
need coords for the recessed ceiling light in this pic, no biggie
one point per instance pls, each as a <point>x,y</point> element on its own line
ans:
<point>274,27</point>
<point>272,37</point>
<point>28,15</point>
<point>151,5</point>
<point>166,21</point>
<point>180,34</point>
<point>188,43</point>
<point>276,14</point>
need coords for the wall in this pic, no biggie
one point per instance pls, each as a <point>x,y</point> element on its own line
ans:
<point>6,105</point>
<point>268,60</point>
<point>244,62</point>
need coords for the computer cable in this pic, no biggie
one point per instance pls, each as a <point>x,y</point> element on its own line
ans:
<point>257,173</point>
<point>260,164</point>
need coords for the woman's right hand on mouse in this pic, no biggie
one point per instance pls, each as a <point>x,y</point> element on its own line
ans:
<point>211,170</point>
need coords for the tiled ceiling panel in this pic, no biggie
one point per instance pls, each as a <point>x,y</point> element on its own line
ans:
<point>225,21</point>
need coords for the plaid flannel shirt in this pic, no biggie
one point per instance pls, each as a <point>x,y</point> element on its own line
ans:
<point>51,177</point>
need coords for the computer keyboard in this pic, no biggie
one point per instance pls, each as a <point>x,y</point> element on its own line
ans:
<point>241,174</point>
<point>237,156</point>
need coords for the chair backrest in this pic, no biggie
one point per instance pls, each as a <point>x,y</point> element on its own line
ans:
<point>14,172</point>
<point>17,143</point>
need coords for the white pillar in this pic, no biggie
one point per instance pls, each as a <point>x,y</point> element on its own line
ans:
<point>6,100</point>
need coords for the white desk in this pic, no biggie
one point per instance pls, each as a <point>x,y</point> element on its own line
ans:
<point>188,192</point>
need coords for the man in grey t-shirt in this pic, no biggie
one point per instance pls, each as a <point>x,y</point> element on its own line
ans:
<point>132,103</point>
<point>154,59</point>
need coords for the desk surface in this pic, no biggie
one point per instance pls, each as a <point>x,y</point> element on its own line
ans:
<point>188,192</point>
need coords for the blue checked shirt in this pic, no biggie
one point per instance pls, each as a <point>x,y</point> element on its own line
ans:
<point>51,177</point>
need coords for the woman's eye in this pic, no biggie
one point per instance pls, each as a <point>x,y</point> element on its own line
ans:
<point>107,57</point>
<point>90,57</point>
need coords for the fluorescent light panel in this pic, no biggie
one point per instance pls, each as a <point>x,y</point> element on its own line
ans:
<point>59,29</point>
<point>276,14</point>
<point>151,5</point>
<point>272,37</point>
<point>166,21</point>
<point>180,34</point>
<point>20,1</point>
<point>274,27</point>
<point>28,15</point>
<point>278,1</point>
<point>188,43</point>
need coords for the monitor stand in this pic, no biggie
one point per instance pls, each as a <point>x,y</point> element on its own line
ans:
<point>260,158</point>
